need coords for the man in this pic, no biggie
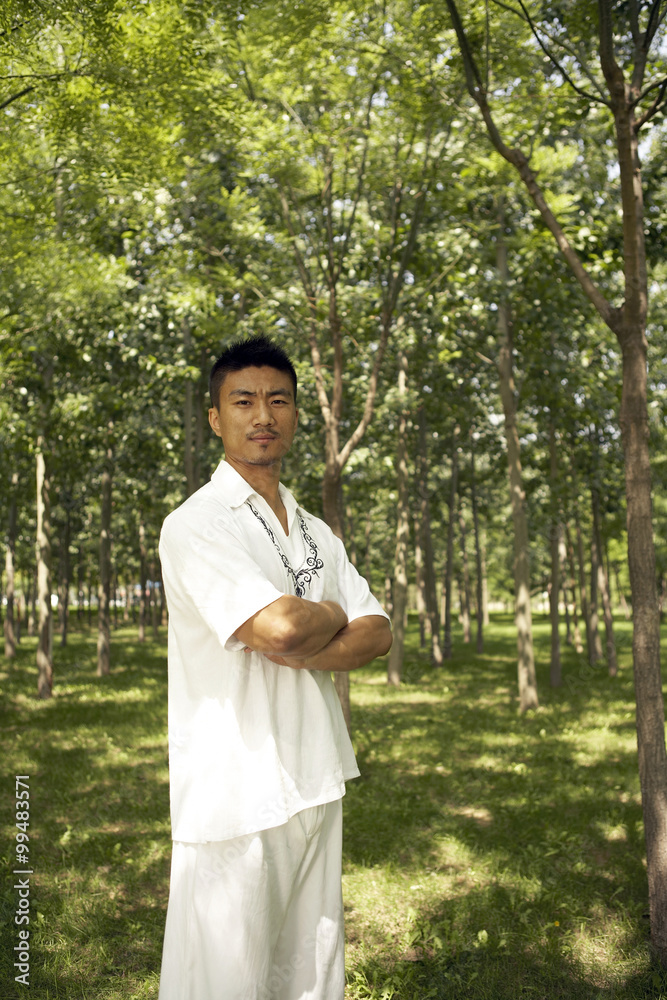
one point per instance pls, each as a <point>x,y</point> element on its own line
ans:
<point>263,604</point>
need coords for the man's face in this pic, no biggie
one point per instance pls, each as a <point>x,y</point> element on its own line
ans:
<point>256,416</point>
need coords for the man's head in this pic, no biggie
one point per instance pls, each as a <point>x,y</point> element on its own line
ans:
<point>253,395</point>
<point>257,352</point>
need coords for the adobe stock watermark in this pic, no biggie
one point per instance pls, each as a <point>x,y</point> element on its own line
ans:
<point>22,870</point>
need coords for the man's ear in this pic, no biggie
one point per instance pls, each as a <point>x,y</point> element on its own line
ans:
<point>214,421</point>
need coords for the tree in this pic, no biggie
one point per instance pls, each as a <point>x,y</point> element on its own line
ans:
<point>628,41</point>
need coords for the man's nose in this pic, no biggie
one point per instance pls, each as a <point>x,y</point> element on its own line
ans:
<point>263,412</point>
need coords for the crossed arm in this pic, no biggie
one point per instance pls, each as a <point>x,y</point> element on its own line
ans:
<point>315,635</point>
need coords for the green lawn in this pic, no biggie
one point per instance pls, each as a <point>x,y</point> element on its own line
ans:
<point>486,857</point>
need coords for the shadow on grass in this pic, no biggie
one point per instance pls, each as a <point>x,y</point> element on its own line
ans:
<point>527,832</point>
<point>99,821</point>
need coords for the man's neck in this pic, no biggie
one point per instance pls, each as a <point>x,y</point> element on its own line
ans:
<point>264,479</point>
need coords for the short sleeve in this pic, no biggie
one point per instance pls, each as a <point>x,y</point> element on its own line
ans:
<point>208,572</point>
<point>356,597</point>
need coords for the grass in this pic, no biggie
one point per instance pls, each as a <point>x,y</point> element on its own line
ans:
<point>486,856</point>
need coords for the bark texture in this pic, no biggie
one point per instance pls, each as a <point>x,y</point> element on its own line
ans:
<point>523,614</point>
<point>10,586</point>
<point>449,564</point>
<point>395,665</point>
<point>104,592</point>
<point>45,615</point>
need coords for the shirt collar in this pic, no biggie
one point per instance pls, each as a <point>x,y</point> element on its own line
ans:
<point>235,490</point>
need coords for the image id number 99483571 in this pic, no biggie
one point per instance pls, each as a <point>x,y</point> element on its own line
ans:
<point>23,869</point>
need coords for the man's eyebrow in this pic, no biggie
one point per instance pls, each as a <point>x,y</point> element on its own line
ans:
<point>271,392</point>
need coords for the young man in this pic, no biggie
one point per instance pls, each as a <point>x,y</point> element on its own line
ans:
<point>263,604</point>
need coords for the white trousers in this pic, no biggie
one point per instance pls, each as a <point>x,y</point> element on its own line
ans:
<point>258,917</point>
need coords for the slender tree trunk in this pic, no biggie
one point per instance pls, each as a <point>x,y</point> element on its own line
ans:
<point>596,648</point>
<point>89,582</point>
<point>388,593</point>
<point>419,589</point>
<point>104,592</point>
<point>79,584</point>
<point>45,628</point>
<point>367,543</point>
<point>395,665</point>
<point>479,575</point>
<point>582,584</point>
<point>349,533</point>
<point>465,576</point>
<point>603,588</point>
<point>163,603</point>
<point>31,607</point>
<point>64,579</point>
<point>646,632</point>
<point>449,564</point>
<point>578,645</point>
<point>523,615</point>
<point>9,624</point>
<point>430,595</point>
<point>485,583</point>
<point>154,608</point>
<point>188,416</point>
<point>142,578</point>
<point>555,671</point>
<point>621,596</point>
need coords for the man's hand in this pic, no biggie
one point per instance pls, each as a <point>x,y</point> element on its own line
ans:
<point>355,645</point>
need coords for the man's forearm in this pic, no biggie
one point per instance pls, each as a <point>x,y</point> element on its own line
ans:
<point>355,645</point>
<point>315,624</point>
<point>292,626</point>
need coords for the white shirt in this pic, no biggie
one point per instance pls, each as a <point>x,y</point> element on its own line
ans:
<point>251,742</point>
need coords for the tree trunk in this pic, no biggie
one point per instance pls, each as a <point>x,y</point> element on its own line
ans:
<point>79,584</point>
<point>142,578</point>
<point>45,627</point>
<point>646,632</point>
<point>596,642</point>
<point>430,595</point>
<point>89,582</point>
<point>523,615</point>
<point>395,665</point>
<point>31,607</point>
<point>555,670</point>
<point>603,588</point>
<point>64,572</point>
<point>485,583</point>
<point>104,592</point>
<point>9,623</point>
<point>449,564</point>
<point>578,645</point>
<point>154,608</point>
<point>621,596</point>
<point>419,589</point>
<point>479,591</point>
<point>465,577</point>
<point>582,584</point>
<point>191,482</point>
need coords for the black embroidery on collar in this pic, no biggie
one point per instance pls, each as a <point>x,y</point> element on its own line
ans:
<point>313,563</point>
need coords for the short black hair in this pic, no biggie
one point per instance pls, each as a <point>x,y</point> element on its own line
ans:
<point>252,353</point>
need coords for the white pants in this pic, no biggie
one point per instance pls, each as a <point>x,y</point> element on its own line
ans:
<point>259,917</point>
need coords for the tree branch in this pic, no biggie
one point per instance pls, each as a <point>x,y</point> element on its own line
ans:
<point>16,97</point>
<point>518,160</point>
<point>654,107</point>
<point>525,16</point>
